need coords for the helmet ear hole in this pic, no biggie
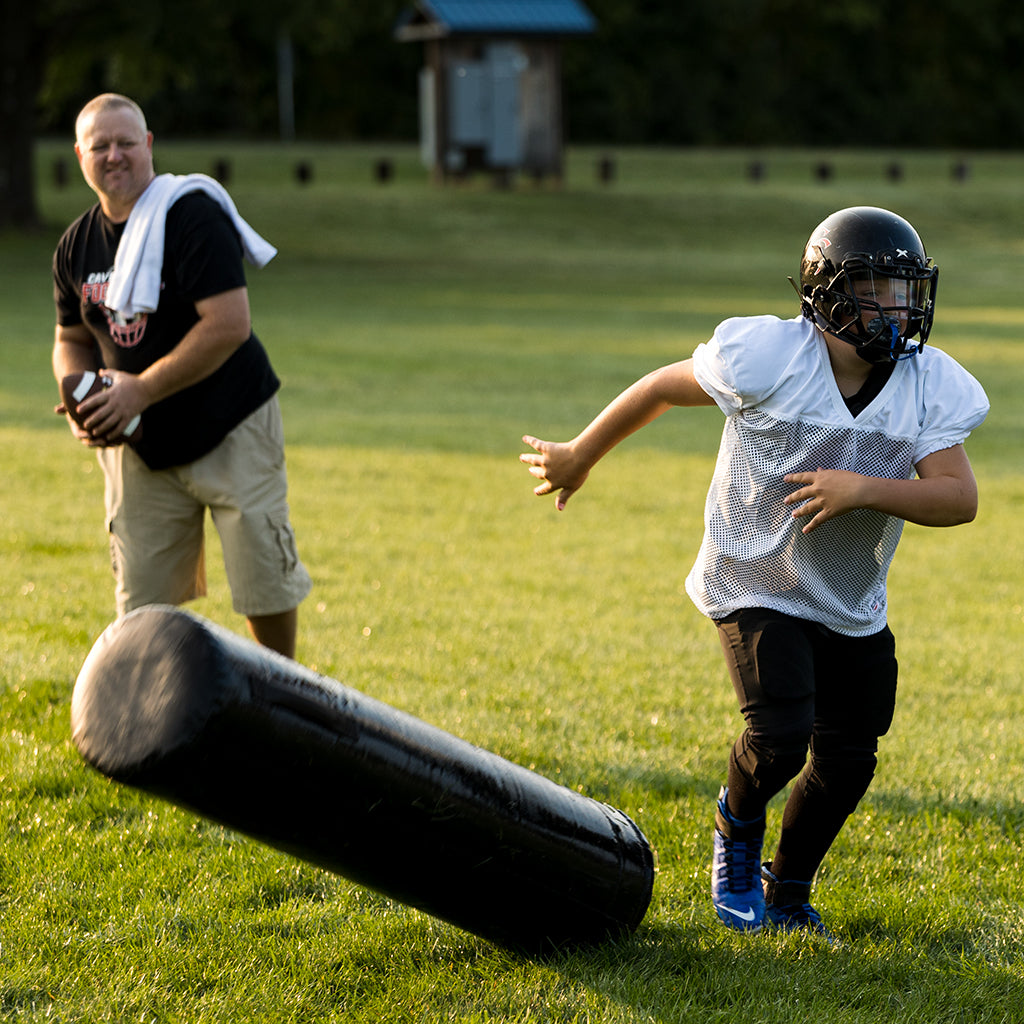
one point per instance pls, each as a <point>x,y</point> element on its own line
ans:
<point>843,310</point>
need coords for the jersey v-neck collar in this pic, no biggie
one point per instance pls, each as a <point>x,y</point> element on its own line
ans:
<point>877,379</point>
<point>876,385</point>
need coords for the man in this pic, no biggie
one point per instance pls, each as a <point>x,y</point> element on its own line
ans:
<point>839,428</point>
<point>190,366</point>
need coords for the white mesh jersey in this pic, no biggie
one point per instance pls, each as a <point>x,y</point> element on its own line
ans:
<point>785,414</point>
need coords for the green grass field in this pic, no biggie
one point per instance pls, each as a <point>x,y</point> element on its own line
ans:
<point>419,333</point>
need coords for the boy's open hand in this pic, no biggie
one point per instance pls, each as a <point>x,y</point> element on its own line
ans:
<point>824,494</point>
<point>557,468</point>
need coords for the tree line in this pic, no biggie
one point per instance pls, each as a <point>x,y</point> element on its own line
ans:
<point>673,72</point>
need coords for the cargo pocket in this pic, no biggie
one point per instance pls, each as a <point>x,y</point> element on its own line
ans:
<point>281,528</point>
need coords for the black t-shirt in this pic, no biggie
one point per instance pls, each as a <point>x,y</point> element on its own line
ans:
<point>871,388</point>
<point>202,258</point>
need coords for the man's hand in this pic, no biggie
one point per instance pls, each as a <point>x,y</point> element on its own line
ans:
<point>108,413</point>
<point>556,466</point>
<point>80,433</point>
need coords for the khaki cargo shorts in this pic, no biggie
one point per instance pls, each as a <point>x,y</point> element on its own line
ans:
<point>156,522</point>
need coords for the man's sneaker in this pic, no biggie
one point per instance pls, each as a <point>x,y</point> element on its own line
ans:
<point>788,906</point>
<point>736,890</point>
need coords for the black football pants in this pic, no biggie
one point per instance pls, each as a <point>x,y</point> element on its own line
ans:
<point>805,688</point>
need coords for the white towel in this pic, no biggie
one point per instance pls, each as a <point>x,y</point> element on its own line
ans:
<point>135,281</point>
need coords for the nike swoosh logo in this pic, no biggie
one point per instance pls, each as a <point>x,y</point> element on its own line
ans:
<point>747,915</point>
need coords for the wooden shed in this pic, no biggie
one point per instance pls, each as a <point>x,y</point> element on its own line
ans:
<point>490,90</point>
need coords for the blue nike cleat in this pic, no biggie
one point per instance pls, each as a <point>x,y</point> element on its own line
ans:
<point>736,890</point>
<point>788,907</point>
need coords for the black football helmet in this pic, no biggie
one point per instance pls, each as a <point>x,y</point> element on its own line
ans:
<point>866,278</point>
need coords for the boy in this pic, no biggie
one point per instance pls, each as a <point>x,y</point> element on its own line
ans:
<point>840,427</point>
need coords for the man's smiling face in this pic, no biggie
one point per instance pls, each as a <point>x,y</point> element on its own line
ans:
<point>115,152</point>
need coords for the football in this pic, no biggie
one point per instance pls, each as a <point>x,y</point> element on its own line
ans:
<point>77,387</point>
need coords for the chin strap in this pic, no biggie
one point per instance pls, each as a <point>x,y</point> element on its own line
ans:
<point>895,350</point>
<point>908,352</point>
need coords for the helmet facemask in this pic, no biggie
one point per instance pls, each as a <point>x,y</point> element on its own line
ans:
<point>878,308</point>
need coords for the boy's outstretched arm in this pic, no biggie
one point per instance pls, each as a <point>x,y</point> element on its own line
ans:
<point>563,467</point>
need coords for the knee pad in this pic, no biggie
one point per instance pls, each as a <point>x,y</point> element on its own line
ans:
<point>842,780</point>
<point>769,769</point>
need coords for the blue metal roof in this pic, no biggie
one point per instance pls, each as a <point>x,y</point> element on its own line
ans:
<point>554,17</point>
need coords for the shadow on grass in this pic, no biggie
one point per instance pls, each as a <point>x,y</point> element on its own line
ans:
<point>706,973</point>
